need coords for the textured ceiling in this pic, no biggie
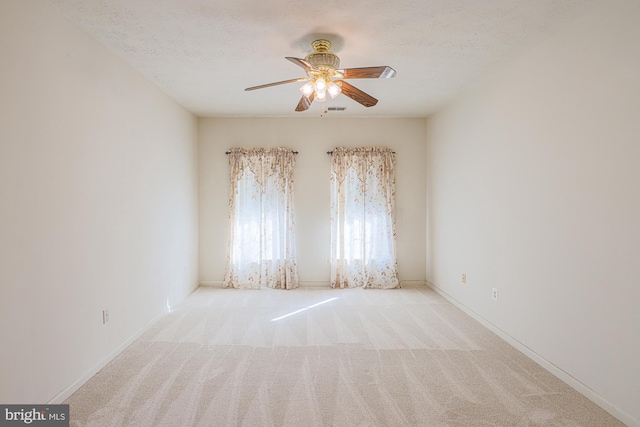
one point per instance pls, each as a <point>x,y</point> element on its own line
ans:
<point>203,53</point>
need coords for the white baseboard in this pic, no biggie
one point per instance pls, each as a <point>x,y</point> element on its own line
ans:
<point>412,283</point>
<point>211,284</point>
<point>403,284</point>
<point>67,392</point>
<point>322,284</point>
<point>546,364</point>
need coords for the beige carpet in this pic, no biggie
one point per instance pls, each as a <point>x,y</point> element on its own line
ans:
<point>354,357</point>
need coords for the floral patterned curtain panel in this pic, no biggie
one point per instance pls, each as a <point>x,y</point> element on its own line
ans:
<point>261,247</point>
<point>363,232</point>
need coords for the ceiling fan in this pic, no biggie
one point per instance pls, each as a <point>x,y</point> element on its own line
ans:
<point>324,77</point>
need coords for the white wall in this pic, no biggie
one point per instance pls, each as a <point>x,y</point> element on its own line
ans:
<point>533,184</point>
<point>98,186</point>
<point>312,138</point>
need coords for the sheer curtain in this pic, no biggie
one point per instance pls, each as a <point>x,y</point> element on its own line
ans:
<point>363,235</point>
<point>261,247</point>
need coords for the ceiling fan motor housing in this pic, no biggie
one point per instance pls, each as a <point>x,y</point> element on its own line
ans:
<point>321,57</point>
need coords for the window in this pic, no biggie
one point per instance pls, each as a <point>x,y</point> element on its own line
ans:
<point>261,248</point>
<point>363,246</point>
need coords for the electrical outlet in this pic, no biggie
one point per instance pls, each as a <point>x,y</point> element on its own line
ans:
<point>494,294</point>
<point>464,278</point>
<point>105,316</point>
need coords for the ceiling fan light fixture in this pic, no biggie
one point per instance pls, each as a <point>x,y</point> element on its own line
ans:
<point>321,85</point>
<point>333,89</point>
<point>321,96</point>
<point>307,89</point>
<point>324,76</point>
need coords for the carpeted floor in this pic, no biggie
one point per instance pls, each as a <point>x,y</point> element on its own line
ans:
<point>323,357</point>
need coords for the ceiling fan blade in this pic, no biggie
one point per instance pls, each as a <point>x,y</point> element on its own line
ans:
<point>305,102</point>
<point>383,72</point>
<point>301,62</point>
<point>301,79</point>
<point>358,95</point>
